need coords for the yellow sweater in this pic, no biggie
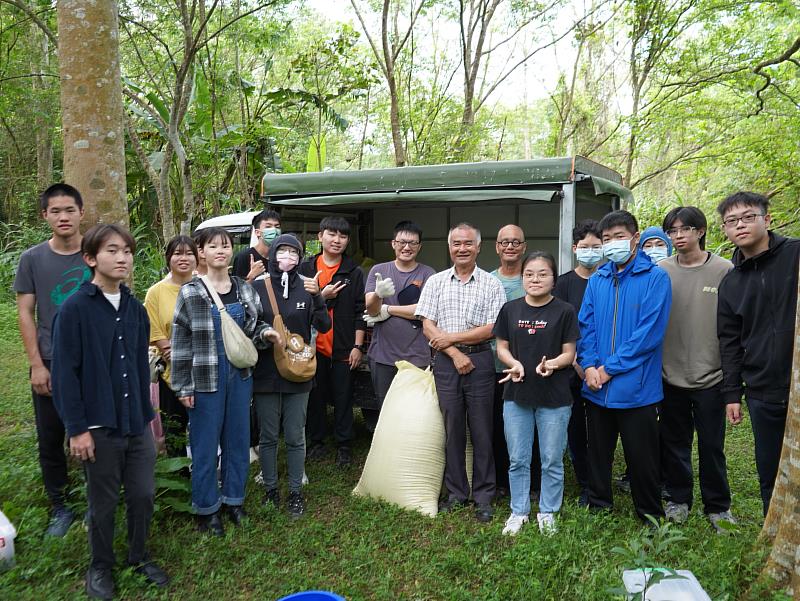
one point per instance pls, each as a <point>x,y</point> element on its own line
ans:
<point>160,302</point>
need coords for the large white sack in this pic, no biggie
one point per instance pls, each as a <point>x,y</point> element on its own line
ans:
<point>405,464</point>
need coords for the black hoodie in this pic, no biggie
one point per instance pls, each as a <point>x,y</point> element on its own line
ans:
<point>348,306</point>
<point>299,311</point>
<point>755,322</point>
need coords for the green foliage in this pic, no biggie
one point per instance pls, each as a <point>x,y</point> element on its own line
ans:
<point>15,238</point>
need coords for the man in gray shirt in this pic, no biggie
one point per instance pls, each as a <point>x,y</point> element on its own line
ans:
<point>692,373</point>
<point>47,275</point>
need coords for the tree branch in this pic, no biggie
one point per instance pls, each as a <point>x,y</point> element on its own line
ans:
<point>35,18</point>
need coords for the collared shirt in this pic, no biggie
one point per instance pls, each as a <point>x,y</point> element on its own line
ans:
<point>458,306</point>
<point>100,370</point>
<point>194,347</point>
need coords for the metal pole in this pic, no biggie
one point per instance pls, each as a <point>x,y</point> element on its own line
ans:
<point>565,224</point>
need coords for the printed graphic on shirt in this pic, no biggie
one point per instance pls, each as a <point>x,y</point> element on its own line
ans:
<point>531,326</point>
<point>71,281</point>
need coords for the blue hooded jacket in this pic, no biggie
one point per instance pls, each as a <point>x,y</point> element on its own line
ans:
<point>622,321</point>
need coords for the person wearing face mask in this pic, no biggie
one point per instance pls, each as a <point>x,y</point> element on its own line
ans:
<point>251,263</point>
<point>655,244</point>
<point>623,318</point>
<point>279,401</point>
<point>571,287</point>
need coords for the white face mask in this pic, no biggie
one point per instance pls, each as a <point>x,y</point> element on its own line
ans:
<point>617,251</point>
<point>656,253</point>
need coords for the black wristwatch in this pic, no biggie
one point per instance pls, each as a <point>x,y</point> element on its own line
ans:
<point>360,347</point>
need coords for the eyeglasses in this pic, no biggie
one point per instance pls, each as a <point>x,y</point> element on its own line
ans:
<point>408,243</point>
<point>748,218</point>
<point>529,275</point>
<point>511,243</point>
<point>683,229</point>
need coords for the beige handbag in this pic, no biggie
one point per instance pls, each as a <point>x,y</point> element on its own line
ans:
<point>239,348</point>
<point>296,361</point>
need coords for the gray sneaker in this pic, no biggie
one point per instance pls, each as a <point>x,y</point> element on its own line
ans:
<point>677,512</point>
<point>60,521</point>
<point>727,519</point>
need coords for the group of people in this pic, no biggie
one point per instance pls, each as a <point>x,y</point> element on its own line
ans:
<point>648,346</point>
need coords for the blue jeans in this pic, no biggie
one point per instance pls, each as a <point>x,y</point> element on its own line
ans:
<point>221,418</point>
<point>551,427</point>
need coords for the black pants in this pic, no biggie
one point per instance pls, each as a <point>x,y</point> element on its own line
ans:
<point>769,422</point>
<point>382,376</point>
<point>174,419</point>
<point>50,437</point>
<point>682,412</point>
<point>334,382</point>
<point>501,461</point>
<point>127,461</point>
<point>638,429</point>
<point>467,401</point>
<point>578,437</point>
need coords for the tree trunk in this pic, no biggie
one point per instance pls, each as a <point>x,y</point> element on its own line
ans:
<point>91,107</point>
<point>782,526</point>
<point>42,124</point>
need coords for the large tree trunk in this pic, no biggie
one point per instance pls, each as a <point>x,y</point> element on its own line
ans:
<point>782,526</point>
<point>91,107</point>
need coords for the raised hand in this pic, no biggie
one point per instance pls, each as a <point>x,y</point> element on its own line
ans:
<point>515,373</point>
<point>256,269</point>
<point>383,286</point>
<point>543,369</point>
<point>311,285</point>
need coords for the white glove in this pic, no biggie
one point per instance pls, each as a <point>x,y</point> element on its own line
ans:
<point>383,287</point>
<point>382,315</point>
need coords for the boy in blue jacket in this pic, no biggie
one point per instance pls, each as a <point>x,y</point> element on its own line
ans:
<point>101,389</point>
<point>622,320</point>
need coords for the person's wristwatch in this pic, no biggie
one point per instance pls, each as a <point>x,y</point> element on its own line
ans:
<point>360,347</point>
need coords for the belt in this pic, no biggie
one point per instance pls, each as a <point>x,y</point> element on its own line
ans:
<point>469,349</point>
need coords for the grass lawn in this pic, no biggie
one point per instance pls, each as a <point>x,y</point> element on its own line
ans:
<point>358,548</point>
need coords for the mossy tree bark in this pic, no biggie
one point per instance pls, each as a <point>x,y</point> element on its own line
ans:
<point>91,107</point>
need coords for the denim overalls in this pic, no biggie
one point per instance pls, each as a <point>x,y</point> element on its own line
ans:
<point>221,418</point>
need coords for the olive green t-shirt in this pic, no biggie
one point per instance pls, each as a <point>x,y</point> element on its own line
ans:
<point>691,346</point>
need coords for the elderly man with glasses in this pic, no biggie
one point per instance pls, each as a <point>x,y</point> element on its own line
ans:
<point>392,292</point>
<point>458,308</point>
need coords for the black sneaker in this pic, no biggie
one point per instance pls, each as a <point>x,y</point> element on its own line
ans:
<point>210,523</point>
<point>296,505</point>
<point>236,513</point>
<point>153,574</point>
<point>99,583</point>
<point>272,498</point>
<point>60,521</point>
<point>344,456</point>
<point>451,504</point>
<point>316,451</point>
<point>484,512</point>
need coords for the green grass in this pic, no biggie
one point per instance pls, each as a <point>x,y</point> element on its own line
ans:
<point>356,547</point>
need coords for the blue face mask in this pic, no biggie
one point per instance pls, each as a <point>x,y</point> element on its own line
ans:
<point>656,253</point>
<point>589,257</point>
<point>617,251</point>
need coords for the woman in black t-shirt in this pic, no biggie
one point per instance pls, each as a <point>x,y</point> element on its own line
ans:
<point>536,338</point>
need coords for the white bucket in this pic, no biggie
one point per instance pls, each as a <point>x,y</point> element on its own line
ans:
<point>7,535</point>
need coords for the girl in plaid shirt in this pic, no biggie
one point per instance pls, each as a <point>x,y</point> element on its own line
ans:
<point>215,393</point>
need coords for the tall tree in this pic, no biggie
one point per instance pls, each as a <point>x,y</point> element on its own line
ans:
<point>91,107</point>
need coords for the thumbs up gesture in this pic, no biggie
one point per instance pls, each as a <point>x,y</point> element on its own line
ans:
<point>311,285</point>
<point>383,286</point>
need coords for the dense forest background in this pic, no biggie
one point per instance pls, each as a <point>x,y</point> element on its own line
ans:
<point>688,99</point>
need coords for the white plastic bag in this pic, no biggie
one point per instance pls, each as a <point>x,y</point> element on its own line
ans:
<point>405,464</point>
<point>7,535</point>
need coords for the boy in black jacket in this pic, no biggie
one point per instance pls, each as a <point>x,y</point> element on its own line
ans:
<point>755,323</point>
<point>340,350</point>
<point>101,389</point>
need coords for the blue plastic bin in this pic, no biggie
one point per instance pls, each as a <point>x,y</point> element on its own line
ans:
<point>313,596</point>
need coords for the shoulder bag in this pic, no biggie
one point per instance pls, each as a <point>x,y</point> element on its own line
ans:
<point>296,361</point>
<point>239,348</point>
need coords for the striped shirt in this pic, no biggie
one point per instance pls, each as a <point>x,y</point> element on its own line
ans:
<point>457,306</point>
<point>194,347</point>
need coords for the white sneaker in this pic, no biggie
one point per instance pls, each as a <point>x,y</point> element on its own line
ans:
<point>305,479</point>
<point>677,512</point>
<point>514,524</point>
<point>547,523</point>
